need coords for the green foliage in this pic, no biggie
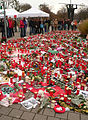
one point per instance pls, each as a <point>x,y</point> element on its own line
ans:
<point>83,27</point>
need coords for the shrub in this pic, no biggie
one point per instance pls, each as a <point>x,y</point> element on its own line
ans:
<point>83,27</point>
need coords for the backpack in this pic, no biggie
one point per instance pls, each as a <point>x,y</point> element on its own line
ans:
<point>41,25</point>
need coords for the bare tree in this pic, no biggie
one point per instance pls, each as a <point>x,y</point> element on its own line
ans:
<point>62,13</point>
<point>24,7</point>
<point>82,14</point>
<point>46,9</point>
<point>14,4</point>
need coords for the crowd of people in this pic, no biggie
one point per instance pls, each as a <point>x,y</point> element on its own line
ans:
<point>11,27</point>
<point>36,25</point>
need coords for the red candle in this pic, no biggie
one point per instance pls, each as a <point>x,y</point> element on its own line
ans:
<point>51,93</point>
<point>0,93</point>
<point>32,83</point>
<point>20,97</point>
<point>19,61</point>
<point>61,71</point>
<point>23,74</point>
<point>65,98</point>
<point>61,95</point>
<point>28,73</point>
<point>68,101</point>
<point>55,74</point>
<point>18,55</point>
<point>77,92</point>
<point>24,89</point>
<point>35,95</point>
<point>19,78</point>
<point>66,81</point>
<point>82,87</point>
<point>69,91</point>
<point>15,75</point>
<point>66,87</point>
<point>11,80</point>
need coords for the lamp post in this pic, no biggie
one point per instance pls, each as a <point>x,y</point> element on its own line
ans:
<point>5,26</point>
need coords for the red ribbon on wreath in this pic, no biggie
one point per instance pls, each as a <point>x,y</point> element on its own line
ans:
<point>59,111</point>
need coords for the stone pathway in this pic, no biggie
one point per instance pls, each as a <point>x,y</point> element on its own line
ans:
<point>17,112</point>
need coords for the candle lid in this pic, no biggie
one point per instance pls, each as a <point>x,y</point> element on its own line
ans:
<point>62,98</point>
<point>65,95</point>
<point>69,98</point>
<point>53,101</point>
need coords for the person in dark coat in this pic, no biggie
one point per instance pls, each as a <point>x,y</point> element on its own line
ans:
<point>2,28</point>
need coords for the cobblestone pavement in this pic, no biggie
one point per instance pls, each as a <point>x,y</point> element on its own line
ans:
<point>17,112</point>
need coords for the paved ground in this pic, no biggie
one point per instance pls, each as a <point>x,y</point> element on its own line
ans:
<point>17,112</point>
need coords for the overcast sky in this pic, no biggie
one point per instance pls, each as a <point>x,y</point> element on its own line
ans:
<point>54,4</point>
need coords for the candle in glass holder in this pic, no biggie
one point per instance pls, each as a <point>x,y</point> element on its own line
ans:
<point>19,78</point>
<point>61,71</point>
<point>19,61</point>
<point>55,74</point>
<point>61,95</point>
<point>53,102</point>
<point>24,89</point>
<point>65,98</point>
<point>18,55</point>
<point>51,93</point>
<point>53,82</point>
<point>77,83</point>
<point>7,71</point>
<point>45,79</point>
<point>62,98</point>
<point>66,81</point>
<point>74,83</point>
<point>77,91</point>
<point>20,97</point>
<point>23,74</point>
<point>68,101</point>
<point>11,80</point>
<point>84,81</point>
<point>69,91</point>
<point>28,73</point>
<point>66,87</point>
<point>82,86</point>
<point>15,75</point>
<point>1,94</point>
<point>35,94</point>
<point>10,100</point>
<point>73,86</point>
<point>32,82</point>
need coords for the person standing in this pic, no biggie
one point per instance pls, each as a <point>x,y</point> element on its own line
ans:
<point>41,27</point>
<point>10,26</point>
<point>21,28</point>
<point>72,25</point>
<point>15,24</point>
<point>25,26</point>
<point>55,24</point>
<point>30,26</point>
<point>52,25</point>
<point>2,28</point>
<point>46,26</point>
<point>75,24</point>
<point>69,24</point>
<point>7,26</point>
